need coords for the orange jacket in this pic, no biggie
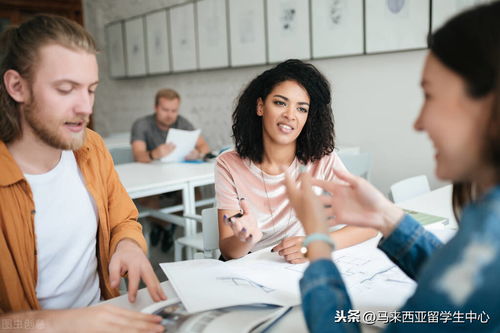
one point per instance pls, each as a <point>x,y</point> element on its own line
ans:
<point>18,260</point>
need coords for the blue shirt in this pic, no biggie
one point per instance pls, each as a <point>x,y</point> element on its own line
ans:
<point>458,283</point>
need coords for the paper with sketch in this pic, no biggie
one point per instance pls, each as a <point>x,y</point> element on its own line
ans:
<point>184,142</point>
<point>209,284</point>
<point>373,281</point>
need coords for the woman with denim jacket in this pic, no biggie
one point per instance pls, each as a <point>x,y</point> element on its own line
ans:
<point>458,283</point>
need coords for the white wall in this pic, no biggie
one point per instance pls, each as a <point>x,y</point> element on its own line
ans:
<point>375,98</point>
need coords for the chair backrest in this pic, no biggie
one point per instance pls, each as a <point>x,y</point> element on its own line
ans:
<point>357,164</point>
<point>210,227</point>
<point>409,188</point>
<point>122,155</point>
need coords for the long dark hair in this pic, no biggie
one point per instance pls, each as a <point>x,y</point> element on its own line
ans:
<point>469,45</point>
<point>317,138</point>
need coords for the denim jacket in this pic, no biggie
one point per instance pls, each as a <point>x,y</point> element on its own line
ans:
<point>458,284</point>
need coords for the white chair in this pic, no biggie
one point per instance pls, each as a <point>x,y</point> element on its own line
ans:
<point>122,155</point>
<point>409,188</point>
<point>357,164</point>
<point>206,241</point>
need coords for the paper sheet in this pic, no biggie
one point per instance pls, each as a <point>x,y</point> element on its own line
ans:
<point>372,280</point>
<point>184,141</point>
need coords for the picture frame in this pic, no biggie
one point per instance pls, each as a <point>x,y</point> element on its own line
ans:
<point>211,23</point>
<point>395,25</point>
<point>115,49</point>
<point>183,38</point>
<point>157,42</point>
<point>442,10</point>
<point>288,32</point>
<point>247,35</point>
<point>135,47</point>
<point>331,21</point>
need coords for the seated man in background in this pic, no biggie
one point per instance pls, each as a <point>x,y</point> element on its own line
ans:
<point>148,138</point>
<point>68,229</point>
<point>149,133</point>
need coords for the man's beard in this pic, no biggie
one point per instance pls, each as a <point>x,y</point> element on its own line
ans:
<point>47,133</point>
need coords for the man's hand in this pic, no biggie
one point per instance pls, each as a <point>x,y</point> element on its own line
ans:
<point>100,318</point>
<point>129,257</point>
<point>193,155</point>
<point>162,150</point>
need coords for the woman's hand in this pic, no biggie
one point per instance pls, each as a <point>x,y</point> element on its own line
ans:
<point>289,249</point>
<point>354,201</point>
<point>309,209</point>
<point>244,225</point>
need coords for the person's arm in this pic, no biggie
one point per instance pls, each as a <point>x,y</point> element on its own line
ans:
<point>322,289</point>
<point>409,246</point>
<point>100,318</point>
<point>127,246</point>
<point>202,146</point>
<point>141,154</point>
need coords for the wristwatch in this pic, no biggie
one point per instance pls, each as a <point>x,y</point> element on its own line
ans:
<point>316,237</point>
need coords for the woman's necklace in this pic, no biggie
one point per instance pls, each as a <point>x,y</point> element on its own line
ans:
<point>271,209</point>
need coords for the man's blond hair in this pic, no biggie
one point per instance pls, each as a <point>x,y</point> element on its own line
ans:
<point>169,94</point>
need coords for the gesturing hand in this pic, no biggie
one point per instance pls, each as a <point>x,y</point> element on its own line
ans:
<point>129,257</point>
<point>245,226</point>
<point>354,201</point>
<point>308,208</point>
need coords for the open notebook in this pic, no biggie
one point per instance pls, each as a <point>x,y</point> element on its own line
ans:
<point>427,219</point>
<point>236,319</point>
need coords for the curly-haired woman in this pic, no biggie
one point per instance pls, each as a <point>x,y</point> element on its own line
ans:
<point>283,121</point>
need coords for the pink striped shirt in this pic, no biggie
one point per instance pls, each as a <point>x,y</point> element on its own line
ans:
<point>265,194</point>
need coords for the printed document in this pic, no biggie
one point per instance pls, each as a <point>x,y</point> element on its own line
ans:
<point>184,142</point>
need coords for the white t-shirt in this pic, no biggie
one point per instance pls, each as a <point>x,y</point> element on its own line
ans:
<point>66,230</point>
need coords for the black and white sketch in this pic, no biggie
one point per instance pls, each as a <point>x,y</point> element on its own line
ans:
<point>442,10</point>
<point>157,42</point>
<point>247,32</point>
<point>288,29</point>
<point>337,27</point>
<point>134,44</point>
<point>115,49</point>
<point>212,33</point>
<point>183,38</point>
<point>393,25</point>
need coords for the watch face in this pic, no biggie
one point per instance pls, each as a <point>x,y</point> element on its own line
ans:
<point>303,250</point>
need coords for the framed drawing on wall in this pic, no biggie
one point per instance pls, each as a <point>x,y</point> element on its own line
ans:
<point>183,38</point>
<point>442,10</point>
<point>337,27</point>
<point>394,25</point>
<point>288,29</point>
<point>134,46</point>
<point>211,24</point>
<point>247,36</point>
<point>115,50</point>
<point>158,49</point>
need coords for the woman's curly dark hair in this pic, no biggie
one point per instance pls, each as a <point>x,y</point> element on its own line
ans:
<point>317,137</point>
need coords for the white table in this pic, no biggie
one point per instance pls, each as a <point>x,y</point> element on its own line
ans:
<point>145,179</point>
<point>117,140</point>
<point>437,202</point>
